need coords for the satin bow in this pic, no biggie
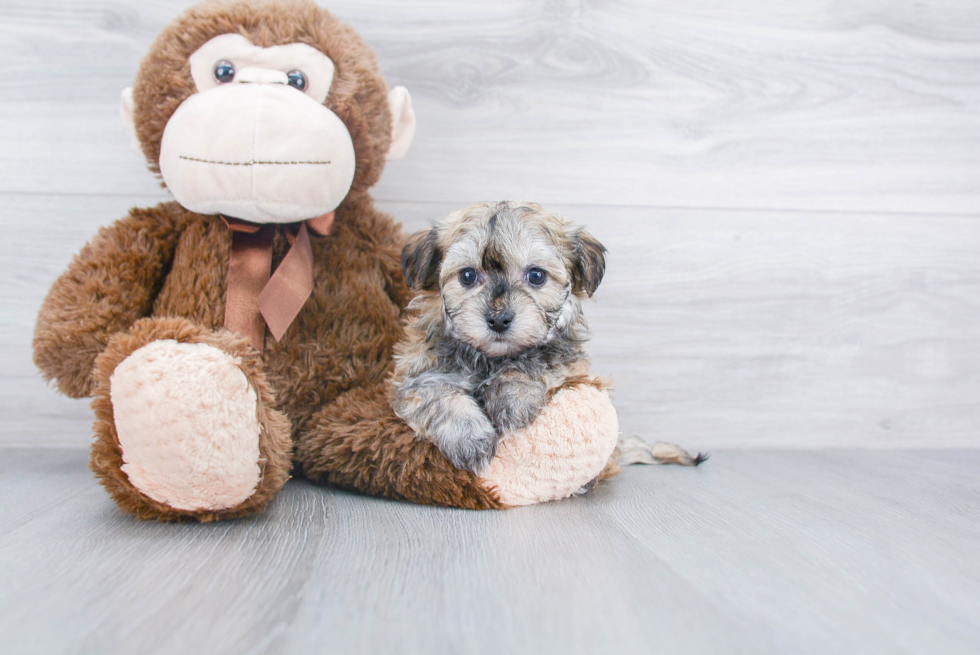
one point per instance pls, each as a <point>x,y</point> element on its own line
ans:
<point>256,297</point>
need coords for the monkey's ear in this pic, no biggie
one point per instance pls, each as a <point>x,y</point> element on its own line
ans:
<point>402,122</point>
<point>126,113</point>
<point>589,263</point>
<point>421,258</point>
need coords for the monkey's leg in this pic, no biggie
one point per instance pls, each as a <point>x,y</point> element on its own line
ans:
<point>185,426</point>
<point>357,442</point>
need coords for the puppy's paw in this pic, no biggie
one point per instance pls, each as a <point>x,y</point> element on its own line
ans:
<point>467,439</point>
<point>513,403</point>
<point>517,414</point>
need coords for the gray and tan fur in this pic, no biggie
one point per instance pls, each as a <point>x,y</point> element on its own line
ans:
<point>496,325</point>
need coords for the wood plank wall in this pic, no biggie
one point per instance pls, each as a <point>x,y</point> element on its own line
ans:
<point>789,192</point>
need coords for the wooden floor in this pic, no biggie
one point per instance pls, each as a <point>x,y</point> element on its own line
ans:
<point>754,552</point>
<point>790,194</point>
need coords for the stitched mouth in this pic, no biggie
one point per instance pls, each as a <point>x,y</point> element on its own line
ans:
<point>252,163</point>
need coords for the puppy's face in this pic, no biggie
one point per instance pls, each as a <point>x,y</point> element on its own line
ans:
<point>509,274</point>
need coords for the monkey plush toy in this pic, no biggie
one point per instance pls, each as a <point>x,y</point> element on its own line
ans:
<point>244,331</point>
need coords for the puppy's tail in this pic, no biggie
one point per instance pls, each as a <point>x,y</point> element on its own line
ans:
<point>633,450</point>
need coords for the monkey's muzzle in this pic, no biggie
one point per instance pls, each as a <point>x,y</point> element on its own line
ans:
<point>265,153</point>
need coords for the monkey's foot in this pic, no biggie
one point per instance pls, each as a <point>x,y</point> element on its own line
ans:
<point>186,419</point>
<point>189,429</point>
<point>563,450</point>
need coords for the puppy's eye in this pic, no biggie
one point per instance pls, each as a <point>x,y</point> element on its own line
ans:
<point>467,277</point>
<point>296,80</point>
<point>536,277</point>
<point>224,71</point>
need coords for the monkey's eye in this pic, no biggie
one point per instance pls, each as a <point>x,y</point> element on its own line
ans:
<point>536,277</point>
<point>224,71</point>
<point>467,277</point>
<point>296,80</point>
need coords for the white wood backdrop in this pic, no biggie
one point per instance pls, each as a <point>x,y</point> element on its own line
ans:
<point>790,192</point>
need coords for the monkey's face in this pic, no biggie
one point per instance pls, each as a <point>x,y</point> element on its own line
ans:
<point>256,141</point>
<point>272,134</point>
<point>507,273</point>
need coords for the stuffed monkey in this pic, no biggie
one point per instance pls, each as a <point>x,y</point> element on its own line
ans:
<point>244,331</point>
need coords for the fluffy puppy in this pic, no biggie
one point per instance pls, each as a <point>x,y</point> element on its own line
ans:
<point>496,325</point>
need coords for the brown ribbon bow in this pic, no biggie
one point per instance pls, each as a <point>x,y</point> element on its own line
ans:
<point>256,297</point>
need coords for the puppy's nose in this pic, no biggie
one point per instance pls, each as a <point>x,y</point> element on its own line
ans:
<point>500,321</point>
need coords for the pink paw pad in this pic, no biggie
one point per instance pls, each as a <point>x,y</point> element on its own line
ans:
<point>565,448</point>
<point>186,420</point>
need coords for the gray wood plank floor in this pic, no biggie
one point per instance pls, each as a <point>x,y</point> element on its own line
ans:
<point>755,552</point>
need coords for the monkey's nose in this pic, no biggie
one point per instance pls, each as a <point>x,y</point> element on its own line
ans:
<point>500,321</point>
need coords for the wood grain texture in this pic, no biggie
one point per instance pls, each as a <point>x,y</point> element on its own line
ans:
<point>739,328</point>
<point>754,552</point>
<point>787,327</point>
<point>870,105</point>
<point>721,328</point>
<point>839,306</point>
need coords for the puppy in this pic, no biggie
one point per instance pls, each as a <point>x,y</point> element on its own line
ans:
<point>496,325</point>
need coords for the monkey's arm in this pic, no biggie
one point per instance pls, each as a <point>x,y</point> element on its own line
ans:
<point>358,442</point>
<point>384,238</point>
<point>108,286</point>
<point>391,269</point>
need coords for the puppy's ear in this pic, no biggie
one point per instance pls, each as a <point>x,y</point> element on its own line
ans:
<point>588,262</point>
<point>421,258</point>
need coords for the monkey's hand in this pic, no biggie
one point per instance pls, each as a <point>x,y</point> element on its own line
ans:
<point>439,408</point>
<point>111,284</point>
<point>513,399</point>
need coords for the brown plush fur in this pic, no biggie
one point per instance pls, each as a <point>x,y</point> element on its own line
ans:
<point>380,455</point>
<point>320,383</point>
<point>109,285</point>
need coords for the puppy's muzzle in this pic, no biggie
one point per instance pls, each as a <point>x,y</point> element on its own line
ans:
<point>499,321</point>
